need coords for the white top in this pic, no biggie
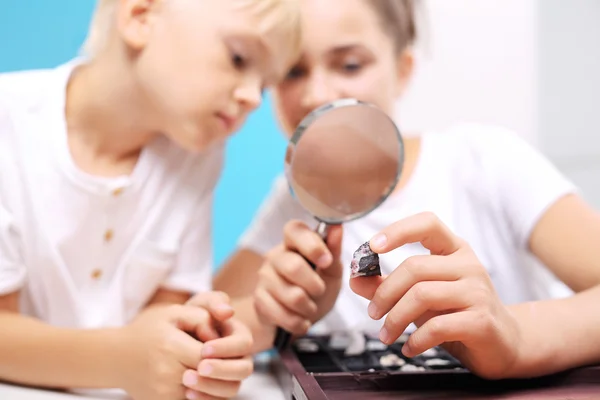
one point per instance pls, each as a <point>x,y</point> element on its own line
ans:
<point>88,251</point>
<point>486,183</point>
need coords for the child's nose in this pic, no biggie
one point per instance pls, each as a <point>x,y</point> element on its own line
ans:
<point>249,94</point>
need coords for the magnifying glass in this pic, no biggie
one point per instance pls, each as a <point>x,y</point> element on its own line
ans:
<point>344,159</point>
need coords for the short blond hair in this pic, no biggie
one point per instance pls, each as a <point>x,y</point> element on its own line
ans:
<point>282,15</point>
<point>100,27</point>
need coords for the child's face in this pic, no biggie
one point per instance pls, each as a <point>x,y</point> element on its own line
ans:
<point>201,64</point>
<point>345,53</point>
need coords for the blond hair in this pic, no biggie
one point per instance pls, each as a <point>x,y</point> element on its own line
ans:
<point>100,27</point>
<point>281,15</point>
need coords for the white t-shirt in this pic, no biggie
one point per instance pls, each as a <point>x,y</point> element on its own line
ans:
<point>486,183</point>
<point>88,251</point>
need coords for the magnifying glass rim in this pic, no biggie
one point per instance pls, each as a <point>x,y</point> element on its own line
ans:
<point>309,119</point>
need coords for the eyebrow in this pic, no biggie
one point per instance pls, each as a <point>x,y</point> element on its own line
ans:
<point>258,45</point>
<point>347,48</point>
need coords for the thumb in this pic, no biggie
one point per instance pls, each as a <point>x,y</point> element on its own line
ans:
<point>366,286</point>
<point>217,304</point>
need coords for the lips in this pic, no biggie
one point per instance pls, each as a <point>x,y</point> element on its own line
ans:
<point>227,121</point>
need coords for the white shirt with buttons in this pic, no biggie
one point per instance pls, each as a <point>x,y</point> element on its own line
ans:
<point>87,251</point>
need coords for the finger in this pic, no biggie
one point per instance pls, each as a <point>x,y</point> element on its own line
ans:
<point>196,321</point>
<point>425,228</point>
<point>445,328</point>
<point>366,286</point>
<point>421,298</point>
<point>413,270</point>
<point>188,318</point>
<point>217,303</point>
<point>278,315</point>
<point>227,370</point>
<point>334,240</point>
<point>186,349</point>
<point>290,296</point>
<point>211,387</point>
<point>296,270</point>
<point>299,237</point>
<point>237,342</point>
<point>193,320</point>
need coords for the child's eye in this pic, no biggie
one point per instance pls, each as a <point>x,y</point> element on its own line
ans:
<point>295,73</point>
<point>351,67</point>
<point>238,61</point>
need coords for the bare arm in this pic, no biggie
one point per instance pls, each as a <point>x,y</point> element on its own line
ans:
<point>562,334</point>
<point>559,334</point>
<point>239,275</point>
<point>566,241</point>
<point>37,354</point>
<point>166,296</point>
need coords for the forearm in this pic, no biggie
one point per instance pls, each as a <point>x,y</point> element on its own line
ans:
<point>264,335</point>
<point>239,275</point>
<point>558,334</point>
<point>37,354</point>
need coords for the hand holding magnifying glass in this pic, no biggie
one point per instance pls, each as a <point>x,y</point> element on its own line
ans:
<point>343,161</point>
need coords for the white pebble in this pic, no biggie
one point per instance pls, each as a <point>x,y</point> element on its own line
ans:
<point>376,345</point>
<point>339,341</point>
<point>391,360</point>
<point>437,362</point>
<point>307,346</point>
<point>430,353</point>
<point>411,367</point>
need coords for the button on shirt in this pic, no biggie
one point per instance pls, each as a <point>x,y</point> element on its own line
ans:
<point>87,251</point>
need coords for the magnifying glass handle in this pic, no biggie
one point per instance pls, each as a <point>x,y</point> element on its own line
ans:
<point>283,337</point>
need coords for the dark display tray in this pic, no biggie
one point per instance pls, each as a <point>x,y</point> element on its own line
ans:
<point>311,369</point>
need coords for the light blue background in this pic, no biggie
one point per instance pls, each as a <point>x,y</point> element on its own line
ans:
<point>46,33</point>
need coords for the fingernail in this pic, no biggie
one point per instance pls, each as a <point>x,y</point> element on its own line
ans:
<point>206,369</point>
<point>224,307</point>
<point>190,378</point>
<point>191,395</point>
<point>207,351</point>
<point>384,336</point>
<point>379,241</point>
<point>324,260</point>
<point>373,310</point>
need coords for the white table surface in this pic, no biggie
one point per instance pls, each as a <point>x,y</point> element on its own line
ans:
<point>260,386</point>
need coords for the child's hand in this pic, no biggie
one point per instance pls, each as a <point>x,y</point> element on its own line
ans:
<point>292,295</point>
<point>155,351</point>
<point>218,306</point>
<point>448,295</point>
<point>225,363</point>
<point>226,356</point>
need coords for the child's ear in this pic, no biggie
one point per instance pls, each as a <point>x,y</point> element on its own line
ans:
<point>405,69</point>
<point>134,21</point>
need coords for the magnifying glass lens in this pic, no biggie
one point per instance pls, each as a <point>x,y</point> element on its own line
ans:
<point>345,162</point>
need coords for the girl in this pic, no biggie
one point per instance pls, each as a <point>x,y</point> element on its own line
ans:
<point>107,167</point>
<point>505,201</point>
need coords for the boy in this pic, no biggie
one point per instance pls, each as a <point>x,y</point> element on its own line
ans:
<point>107,167</point>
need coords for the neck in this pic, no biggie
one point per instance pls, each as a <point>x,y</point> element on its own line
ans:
<point>106,112</point>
